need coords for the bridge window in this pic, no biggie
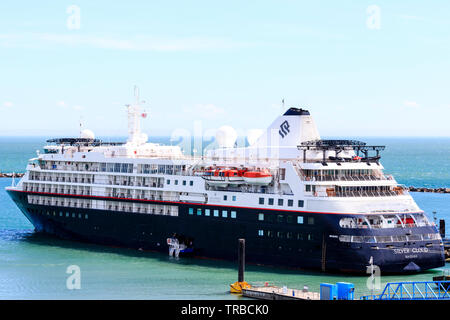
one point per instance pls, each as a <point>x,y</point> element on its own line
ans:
<point>261,200</point>
<point>280,202</point>
<point>290,203</point>
<point>301,203</point>
<point>271,201</point>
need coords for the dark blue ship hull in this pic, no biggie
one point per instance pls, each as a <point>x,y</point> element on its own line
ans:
<point>278,241</point>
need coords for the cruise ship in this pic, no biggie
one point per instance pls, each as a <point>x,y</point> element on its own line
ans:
<point>299,201</point>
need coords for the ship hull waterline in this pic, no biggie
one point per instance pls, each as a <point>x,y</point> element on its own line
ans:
<point>216,237</point>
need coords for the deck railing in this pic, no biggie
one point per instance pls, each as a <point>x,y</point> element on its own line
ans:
<point>417,290</point>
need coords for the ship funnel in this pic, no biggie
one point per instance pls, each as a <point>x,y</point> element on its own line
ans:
<point>290,129</point>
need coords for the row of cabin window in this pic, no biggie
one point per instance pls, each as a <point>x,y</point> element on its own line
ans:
<point>281,218</point>
<point>116,167</point>
<point>216,213</point>
<point>287,235</point>
<point>162,169</point>
<point>290,202</point>
<point>191,183</point>
<point>61,214</point>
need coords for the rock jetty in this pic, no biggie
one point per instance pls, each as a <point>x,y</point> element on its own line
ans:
<point>10,175</point>
<point>435,190</point>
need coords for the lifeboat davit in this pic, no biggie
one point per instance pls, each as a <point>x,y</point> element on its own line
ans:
<point>259,177</point>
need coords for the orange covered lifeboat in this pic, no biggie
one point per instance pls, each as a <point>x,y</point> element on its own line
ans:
<point>258,177</point>
<point>222,177</point>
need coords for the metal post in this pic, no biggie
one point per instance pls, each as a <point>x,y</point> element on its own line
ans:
<point>442,228</point>
<point>241,260</point>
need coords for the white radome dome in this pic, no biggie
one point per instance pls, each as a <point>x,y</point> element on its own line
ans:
<point>87,134</point>
<point>253,135</point>
<point>143,138</point>
<point>226,137</point>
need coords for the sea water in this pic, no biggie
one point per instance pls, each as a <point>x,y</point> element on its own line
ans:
<point>34,266</point>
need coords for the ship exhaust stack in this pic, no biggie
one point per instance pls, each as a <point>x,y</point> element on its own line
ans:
<point>290,129</point>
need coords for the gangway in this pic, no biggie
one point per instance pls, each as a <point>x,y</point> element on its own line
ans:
<point>413,290</point>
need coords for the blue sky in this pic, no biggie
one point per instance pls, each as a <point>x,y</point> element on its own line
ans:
<point>225,63</point>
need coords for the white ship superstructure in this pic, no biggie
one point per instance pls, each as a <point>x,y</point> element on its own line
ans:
<point>288,175</point>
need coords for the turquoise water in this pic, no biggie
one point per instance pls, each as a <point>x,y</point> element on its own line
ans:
<point>33,266</point>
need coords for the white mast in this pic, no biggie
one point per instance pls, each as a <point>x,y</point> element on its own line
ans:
<point>134,125</point>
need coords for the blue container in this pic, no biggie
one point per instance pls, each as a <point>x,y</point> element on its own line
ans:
<point>328,291</point>
<point>345,290</point>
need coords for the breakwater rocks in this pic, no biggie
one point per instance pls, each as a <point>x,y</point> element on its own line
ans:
<point>10,175</point>
<point>435,190</point>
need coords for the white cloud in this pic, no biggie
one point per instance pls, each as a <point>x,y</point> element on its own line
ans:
<point>136,43</point>
<point>65,105</point>
<point>205,111</point>
<point>8,104</point>
<point>411,104</point>
<point>411,17</point>
<point>61,104</point>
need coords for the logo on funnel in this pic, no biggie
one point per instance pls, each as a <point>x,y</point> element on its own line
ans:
<point>284,129</point>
